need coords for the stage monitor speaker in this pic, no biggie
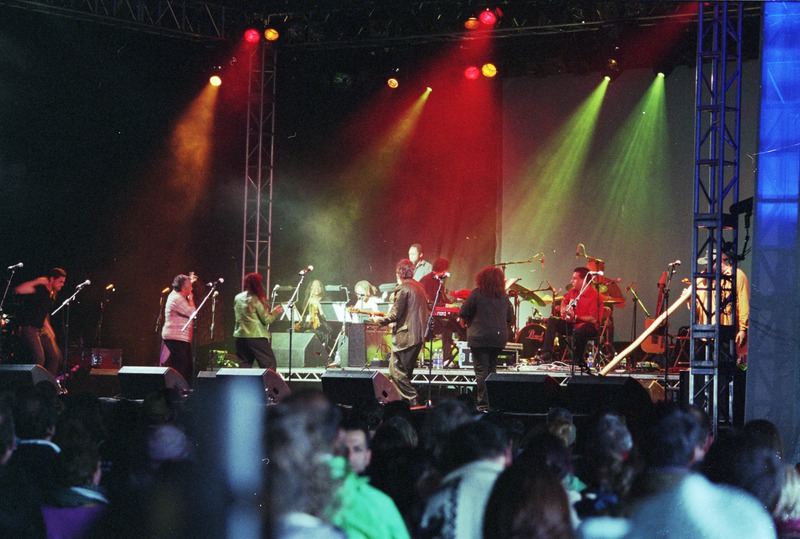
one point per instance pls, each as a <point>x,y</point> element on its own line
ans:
<point>307,350</point>
<point>622,394</point>
<point>20,376</point>
<point>138,382</point>
<point>350,387</point>
<point>519,393</point>
<point>267,381</point>
<point>97,382</point>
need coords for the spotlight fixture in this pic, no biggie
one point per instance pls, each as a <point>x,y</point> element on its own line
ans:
<point>613,65</point>
<point>472,73</point>
<point>472,23</point>
<point>215,80</point>
<point>251,35</point>
<point>271,34</point>
<point>488,18</point>
<point>392,83</point>
<point>489,70</point>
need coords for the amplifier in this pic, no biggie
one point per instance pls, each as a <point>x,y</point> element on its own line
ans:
<point>507,357</point>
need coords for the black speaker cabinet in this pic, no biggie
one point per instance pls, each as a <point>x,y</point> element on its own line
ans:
<point>307,350</point>
<point>366,342</point>
<point>14,376</point>
<point>269,382</point>
<point>138,382</point>
<point>97,382</point>
<point>350,387</point>
<point>622,394</point>
<point>521,393</point>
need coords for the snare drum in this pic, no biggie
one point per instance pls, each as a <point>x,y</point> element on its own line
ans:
<point>531,337</point>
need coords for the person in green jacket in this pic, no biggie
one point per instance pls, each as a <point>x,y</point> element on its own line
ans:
<point>253,315</point>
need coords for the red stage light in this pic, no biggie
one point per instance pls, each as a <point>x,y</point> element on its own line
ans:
<point>472,73</point>
<point>251,35</point>
<point>488,18</point>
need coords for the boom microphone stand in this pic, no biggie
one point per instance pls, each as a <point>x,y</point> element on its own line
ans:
<point>290,304</point>
<point>193,320</point>
<point>429,336</point>
<point>66,304</point>
<point>636,303</point>
<point>13,270</point>
<point>672,267</point>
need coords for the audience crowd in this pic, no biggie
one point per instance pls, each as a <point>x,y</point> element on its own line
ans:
<point>75,466</point>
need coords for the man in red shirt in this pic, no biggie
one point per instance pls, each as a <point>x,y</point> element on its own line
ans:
<point>580,315</point>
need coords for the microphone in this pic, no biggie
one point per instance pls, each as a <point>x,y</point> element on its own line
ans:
<point>630,286</point>
<point>542,260</point>
<point>16,266</point>
<point>674,264</point>
<point>84,283</point>
<point>275,288</point>
<point>600,273</point>
<point>215,283</point>
<point>578,251</point>
<point>110,287</point>
<point>442,277</point>
<point>165,290</point>
<point>305,270</point>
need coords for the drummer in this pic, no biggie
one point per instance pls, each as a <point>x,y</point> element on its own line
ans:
<point>580,315</point>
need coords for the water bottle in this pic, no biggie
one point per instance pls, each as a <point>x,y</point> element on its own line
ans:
<point>437,359</point>
<point>338,360</point>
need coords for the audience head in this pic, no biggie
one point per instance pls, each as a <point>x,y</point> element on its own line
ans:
<point>766,433</point>
<point>479,439</point>
<point>744,462</point>
<point>7,434</point>
<point>545,450</point>
<point>354,444</point>
<point>299,437</point>
<point>528,502</point>
<point>671,437</point>
<point>35,416</point>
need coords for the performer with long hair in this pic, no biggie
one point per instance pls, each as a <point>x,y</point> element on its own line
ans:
<point>252,313</point>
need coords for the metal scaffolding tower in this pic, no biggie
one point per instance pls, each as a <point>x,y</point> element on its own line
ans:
<point>718,111</point>
<point>259,166</point>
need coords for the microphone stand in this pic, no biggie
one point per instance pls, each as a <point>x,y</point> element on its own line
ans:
<point>66,304</point>
<point>670,273</point>
<point>636,303</point>
<point>98,336</point>
<point>193,320</point>
<point>2,302</point>
<point>573,305</point>
<point>290,304</point>
<point>429,336</point>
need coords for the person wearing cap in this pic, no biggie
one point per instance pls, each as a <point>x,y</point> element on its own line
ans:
<point>727,315</point>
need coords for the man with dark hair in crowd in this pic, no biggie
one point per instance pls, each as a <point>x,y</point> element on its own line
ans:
<point>665,497</point>
<point>34,320</point>
<point>409,316</point>
<point>19,499</point>
<point>35,419</point>
<point>354,444</point>
<point>475,455</point>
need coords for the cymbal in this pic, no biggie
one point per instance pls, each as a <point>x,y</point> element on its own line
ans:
<point>523,293</point>
<point>612,294</point>
<point>460,294</point>
<point>550,300</point>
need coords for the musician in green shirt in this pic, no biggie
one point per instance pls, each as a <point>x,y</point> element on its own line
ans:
<point>253,315</point>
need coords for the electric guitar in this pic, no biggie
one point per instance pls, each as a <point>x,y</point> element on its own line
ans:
<point>353,310</point>
<point>656,342</point>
